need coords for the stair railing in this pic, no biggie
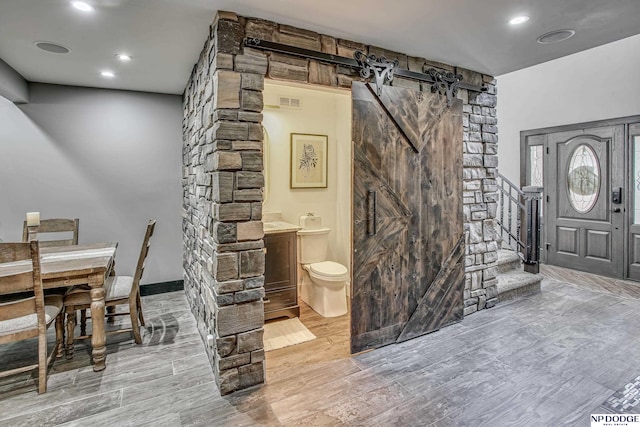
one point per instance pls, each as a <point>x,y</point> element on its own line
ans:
<point>518,206</point>
<point>511,209</point>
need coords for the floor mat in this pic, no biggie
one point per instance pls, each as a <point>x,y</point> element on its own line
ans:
<point>284,333</point>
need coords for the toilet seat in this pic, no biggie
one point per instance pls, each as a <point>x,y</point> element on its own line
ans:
<point>329,270</point>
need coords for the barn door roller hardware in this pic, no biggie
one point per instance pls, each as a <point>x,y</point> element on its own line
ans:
<point>446,83</point>
<point>382,68</point>
<point>443,82</point>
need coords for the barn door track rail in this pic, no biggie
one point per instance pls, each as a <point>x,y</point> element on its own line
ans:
<point>446,83</point>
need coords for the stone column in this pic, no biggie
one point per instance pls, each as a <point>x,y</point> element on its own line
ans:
<point>226,273</point>
<point>480,195</point>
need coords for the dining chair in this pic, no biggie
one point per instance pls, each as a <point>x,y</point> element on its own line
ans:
<point>54,226</point>
<point>29,317</point>
<point>119,290</point>
<point>51,228</point>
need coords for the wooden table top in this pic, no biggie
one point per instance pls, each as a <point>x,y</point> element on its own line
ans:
<point>64,261</point>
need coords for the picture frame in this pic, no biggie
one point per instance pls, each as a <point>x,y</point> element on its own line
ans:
<point>308,165</point>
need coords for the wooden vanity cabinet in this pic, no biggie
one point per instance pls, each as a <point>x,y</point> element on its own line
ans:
<point>280,276</point>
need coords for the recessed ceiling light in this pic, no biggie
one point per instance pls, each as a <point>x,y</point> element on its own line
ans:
<point>52,47</point>
<point>107,74</point>
<point>124,57</point>
<point>555,36</point>
<point>518,20</point>
<point>83,6</point>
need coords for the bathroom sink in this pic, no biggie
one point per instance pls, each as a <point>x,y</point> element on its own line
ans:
<point>278,227</point>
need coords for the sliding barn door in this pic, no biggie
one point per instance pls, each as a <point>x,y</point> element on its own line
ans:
<point>408,245</point>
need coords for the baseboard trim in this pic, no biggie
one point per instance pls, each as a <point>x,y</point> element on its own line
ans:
<point>161,288</point>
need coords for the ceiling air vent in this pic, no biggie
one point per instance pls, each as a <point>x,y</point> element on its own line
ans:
<point>288,102</point>
<point>555,36</point>
<point>52,47</point>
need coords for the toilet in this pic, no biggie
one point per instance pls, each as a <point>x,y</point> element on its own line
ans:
<point>323,285</point>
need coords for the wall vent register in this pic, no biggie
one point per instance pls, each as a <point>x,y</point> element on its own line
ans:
<point>287,102</point>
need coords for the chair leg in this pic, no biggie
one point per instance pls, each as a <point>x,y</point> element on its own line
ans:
<point>42,362</point>
<point>139,303</point>
<point>83,322</point>
<point>71,325</point>
<point>135,326</point>
<point>60,335</point>
<point>111,310</point>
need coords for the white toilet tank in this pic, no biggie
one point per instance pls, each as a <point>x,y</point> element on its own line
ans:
<point>314,241</point>
<point>310,221</point>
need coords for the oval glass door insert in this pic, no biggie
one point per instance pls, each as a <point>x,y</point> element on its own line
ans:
<point>583,178</point>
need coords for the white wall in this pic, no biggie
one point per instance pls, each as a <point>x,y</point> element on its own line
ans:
<point>595,84</point>
<point>12,85</point>
<point>110,158</point>
<point>325,113</point>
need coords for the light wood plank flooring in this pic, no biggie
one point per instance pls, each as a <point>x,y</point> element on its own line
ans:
<point>546,360</point>
<point>331,344</point>
<point>624,288</point>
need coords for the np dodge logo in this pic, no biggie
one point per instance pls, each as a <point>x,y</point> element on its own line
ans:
<point>610,420</point>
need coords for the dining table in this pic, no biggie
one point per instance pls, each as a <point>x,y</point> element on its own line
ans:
<point>90,264</point>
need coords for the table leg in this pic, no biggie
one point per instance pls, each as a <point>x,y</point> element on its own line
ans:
<point>71,326</point>
<point>98,338</point>
<point>112,309</point>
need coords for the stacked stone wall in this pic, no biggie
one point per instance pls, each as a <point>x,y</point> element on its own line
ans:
<point>223,180</point>
<point>480,197</point>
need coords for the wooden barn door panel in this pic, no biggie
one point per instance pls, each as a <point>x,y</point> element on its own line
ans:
<point>408,263</point>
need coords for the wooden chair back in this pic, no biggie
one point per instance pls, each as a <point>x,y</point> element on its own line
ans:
<point>23,275</point>
<point>151,225</point>
<point>55,225</point>
<point>79,299</point>
<point>21,272</point>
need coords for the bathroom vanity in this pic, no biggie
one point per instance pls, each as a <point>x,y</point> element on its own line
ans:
<point>280,276</point>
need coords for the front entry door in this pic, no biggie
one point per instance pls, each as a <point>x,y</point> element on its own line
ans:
<point>408,245</point>
<point>585,208</point>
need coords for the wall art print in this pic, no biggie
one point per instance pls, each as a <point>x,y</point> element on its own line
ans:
<point>308,160</point>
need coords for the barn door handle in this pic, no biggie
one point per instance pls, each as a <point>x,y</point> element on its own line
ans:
<point>371,213</point>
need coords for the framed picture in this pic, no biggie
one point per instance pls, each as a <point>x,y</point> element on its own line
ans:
<point>308,161</point>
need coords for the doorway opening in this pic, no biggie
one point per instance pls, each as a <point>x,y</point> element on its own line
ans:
<point>390,206</point>
<point>316,197</point>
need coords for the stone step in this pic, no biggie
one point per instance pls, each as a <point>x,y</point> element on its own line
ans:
<point>515,284</point>
<point>508,261</point>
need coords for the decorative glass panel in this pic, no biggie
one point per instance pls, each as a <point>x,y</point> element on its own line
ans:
<point>583,178</point>
<point>636,179</point>
<point>536,166</point>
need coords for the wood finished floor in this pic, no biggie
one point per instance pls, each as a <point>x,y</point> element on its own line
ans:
<point>545,360</point>
<point>625,288</point>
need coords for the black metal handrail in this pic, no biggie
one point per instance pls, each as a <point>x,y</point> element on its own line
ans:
<point>520,206</point>
<point>510,214</point>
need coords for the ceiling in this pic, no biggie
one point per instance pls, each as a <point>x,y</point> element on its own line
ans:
<point>165,36</point>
